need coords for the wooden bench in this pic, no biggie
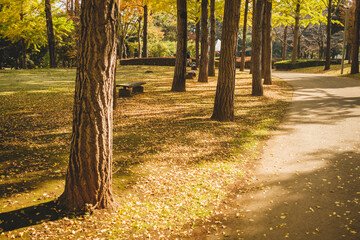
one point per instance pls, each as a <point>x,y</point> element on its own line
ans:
<point>128,88</point>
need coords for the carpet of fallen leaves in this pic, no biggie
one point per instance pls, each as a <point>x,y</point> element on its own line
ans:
<point>173,166</point>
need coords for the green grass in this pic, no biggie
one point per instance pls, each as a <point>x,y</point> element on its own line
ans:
<point>335,70</point>
<point>172,165</point>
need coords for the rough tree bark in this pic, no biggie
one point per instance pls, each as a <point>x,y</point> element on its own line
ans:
<point>243,49</point>
<point>267,43</point>
<point>204,59</point>
<point>328,38</point>
<point>89,174</point>
<point>145,33</point>
<point>50,34</point>
<point>212,39</point>
<point>296,33</point>
<point>225,90</point>
<point>284,48</point>
<point>355,46</point>
<point>257,86</point>
<point>179,83</point>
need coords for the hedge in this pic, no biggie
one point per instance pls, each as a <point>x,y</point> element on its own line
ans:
<point>287,64</point>
<point>156,61</point>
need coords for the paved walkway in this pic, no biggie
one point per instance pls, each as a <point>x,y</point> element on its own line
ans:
<point>308,180</point>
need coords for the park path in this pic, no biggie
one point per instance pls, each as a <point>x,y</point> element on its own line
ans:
<point>307,183</point>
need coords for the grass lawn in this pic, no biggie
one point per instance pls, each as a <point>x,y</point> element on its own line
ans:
<point>173,166</point>
<point>335,70</point>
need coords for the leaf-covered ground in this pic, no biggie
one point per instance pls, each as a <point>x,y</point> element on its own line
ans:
<point>173,166</point>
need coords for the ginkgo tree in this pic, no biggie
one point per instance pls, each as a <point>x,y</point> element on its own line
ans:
<point>24,22</point>
<point>298,13</point>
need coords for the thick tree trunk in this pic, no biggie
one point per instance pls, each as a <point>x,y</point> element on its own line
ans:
<point>243,50</point>
<point>50,34</point>
<point>284,52</point>
<point>296,33</point>
<point>145,33</point>
<point>89,174</point>
<point>179,83</point>
<point>204,59</point>
<point>225,90</point>
<point>212,39</point>
<point>267,43</point>
<point>257,87</point>
<point>328,38</point>
<point>355,46</point>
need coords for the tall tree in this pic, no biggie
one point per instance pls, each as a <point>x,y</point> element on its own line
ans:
<point>145,32</point>
<point>328,38</point>
<point>197,42</point>
<point>355,37</point>
<point>284,47</point>
<point>296,32</point>
<point>50,34</point>
<point>212,39</point>
<point>89,174</point>
<point>267,45</point>
<point>179,84</point>
<point>23,22</point>
<point>257,87</point>
<point>243,49</point>
<point>204,59</point>
<point>225,90</point>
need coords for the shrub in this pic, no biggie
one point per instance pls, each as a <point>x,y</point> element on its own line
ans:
<point>162,49</point>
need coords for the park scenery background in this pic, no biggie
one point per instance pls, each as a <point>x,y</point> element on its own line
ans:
<point>182,149</point>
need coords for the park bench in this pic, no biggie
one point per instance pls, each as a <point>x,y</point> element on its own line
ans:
<point>128,88</point>
<point>190,74</point>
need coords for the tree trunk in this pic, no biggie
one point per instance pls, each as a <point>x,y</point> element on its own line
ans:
<point>179,83</point>
<point>257,87</point>
<point>23,54</point>
<point>328,38</point>
<point>243,50</point>
<point>139,39</point>
<point>197,44</point>
<point>71,7</point>
<point>121,47</point>
<point>355,46</point>
<point>284,52</point>
<point>50,34</point>
<point>225,90</point>
<point>89,174</point>
<point>204,60</point>
<point>197,41</point>
<point>145,34</point>
<point>296,33</point>
<point>77,8</point>
<point>267,43</point>
<point>212,39</point>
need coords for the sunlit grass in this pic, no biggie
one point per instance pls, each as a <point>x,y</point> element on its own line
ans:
<point>172,164</point>
<point>335,70</point>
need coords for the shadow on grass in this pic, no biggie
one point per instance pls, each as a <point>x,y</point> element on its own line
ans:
<point>37,214</point>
